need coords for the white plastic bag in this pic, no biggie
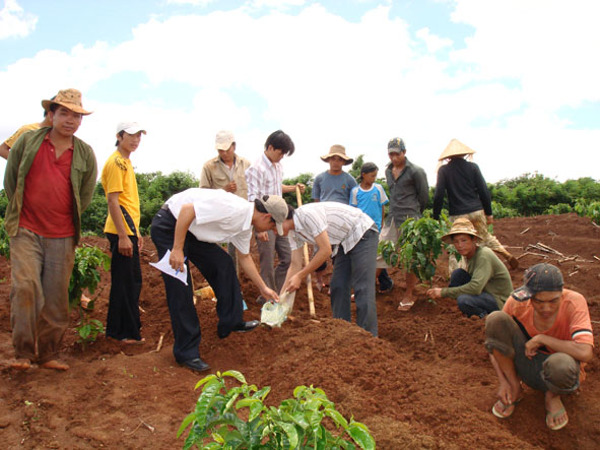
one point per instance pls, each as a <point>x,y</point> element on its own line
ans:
<point>274,314</point>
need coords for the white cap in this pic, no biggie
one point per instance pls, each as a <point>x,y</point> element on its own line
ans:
<point>130,128</point>
<point>224,140</point>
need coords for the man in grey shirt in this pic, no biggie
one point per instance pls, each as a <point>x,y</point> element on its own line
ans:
<point>409,193</point>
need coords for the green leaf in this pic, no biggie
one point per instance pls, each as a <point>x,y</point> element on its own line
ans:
<point>361,435</point>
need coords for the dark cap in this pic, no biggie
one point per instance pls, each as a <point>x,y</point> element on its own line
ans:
<point>539,278</point>
<point>396,145</point>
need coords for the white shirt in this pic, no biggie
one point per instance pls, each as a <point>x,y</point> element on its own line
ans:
<point>344,224</point>
<point>264,178</point>
<point>220,216</point>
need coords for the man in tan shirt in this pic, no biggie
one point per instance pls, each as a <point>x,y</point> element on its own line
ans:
<point>227,171</point>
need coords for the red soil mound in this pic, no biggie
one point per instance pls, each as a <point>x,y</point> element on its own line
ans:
<point>425,383</point>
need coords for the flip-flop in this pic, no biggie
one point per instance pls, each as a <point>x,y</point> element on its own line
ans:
<point>21,364</point>
<point>560,425</point>
<point>501,414</point>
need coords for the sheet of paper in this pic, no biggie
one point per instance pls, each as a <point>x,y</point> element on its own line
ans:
<point>164,266</point>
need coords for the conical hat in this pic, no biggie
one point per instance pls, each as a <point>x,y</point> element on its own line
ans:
<point>455,148</point>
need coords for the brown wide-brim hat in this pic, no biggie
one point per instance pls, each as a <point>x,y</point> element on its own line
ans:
<point>455,148</point>
<point>70,99</point>
<point>338,150</point>
<point>460,226</point>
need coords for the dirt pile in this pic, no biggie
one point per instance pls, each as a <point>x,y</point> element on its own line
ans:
<point>425,383</point>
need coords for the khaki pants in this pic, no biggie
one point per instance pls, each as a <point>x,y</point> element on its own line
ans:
<point>39,296</point>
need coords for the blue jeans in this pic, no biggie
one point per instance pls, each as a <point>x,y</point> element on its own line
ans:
<point>356,269</point>
<point>472,305</point>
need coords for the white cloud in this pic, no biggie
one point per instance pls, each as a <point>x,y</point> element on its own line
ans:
<point>434,43</point>
<point>326,80</point>
<point>190,2</point>
<point>14,21</point>
<point>549,46</point>
<point>280,5</point>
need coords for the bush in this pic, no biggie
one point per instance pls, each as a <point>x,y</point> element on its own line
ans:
<point>85,275</point>
<point>418,247</point>
<point>296,423</point>
<point>499,211</point>
<point>588,209</point>
<point>561,208</point>
<point>307,180</point>
<point>4,241</point>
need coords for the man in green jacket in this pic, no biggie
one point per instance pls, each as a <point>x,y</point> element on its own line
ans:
<point>49,180</point>
<point>485,285</point>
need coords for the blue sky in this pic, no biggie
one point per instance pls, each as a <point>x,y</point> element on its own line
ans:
<point>516,80</point>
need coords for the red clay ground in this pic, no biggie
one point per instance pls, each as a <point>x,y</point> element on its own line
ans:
<point>425,383</point>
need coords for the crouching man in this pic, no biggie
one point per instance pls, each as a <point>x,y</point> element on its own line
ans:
<point>485,285</point>
<point>543,336</point>
<point>190,224</point>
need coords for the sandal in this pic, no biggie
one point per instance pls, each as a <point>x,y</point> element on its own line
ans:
<point>21,364</point>
<point>55,364</point>
<point>500,409</point>
<point>557,426</point>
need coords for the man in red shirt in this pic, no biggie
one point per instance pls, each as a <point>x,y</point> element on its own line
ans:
<point>49,180</point>
<point>543,336</point>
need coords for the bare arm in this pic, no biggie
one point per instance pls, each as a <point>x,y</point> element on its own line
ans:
<point>504,391</point>
<point>4,150</point>
<point>581,352</point>
<point>296,273</point>
<point>185,219</point>
<point>247,265</point>
<point>125,244</point>
<point>287,188</point>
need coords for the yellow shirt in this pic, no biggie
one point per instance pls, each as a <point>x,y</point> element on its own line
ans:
<point>118,176</point>
<point>30,127</point>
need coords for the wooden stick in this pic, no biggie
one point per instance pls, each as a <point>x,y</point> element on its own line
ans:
<point>525,230</point>
<point>549,249</point>
<point>532,253</point>
<point>160,342</point>
<point>309,290</point>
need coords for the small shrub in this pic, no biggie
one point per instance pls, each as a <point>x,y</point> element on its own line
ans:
<point>4,241</point>
<point>589,209</point>
<point>296,424</point>
<point>418,247</point>
<point>561,208</point>
<point>85,275</point>
<point>500,212</point>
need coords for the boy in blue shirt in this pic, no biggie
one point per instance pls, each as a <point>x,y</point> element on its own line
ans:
<point>370,197</point>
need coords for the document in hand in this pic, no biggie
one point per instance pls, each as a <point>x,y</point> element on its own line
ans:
<point>164,266</point>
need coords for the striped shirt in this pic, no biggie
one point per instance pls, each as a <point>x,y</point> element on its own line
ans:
<point>344,224</point>
<point>264,178</point>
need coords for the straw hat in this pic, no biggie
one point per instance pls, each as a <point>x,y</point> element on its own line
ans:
<point>455,148</point>
<point>70,99</point>
<point>460,226</point>
<point>338,150</point>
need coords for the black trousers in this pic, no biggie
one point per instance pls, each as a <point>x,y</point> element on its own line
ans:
<point>218,269</point>
<point>123,320</point>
